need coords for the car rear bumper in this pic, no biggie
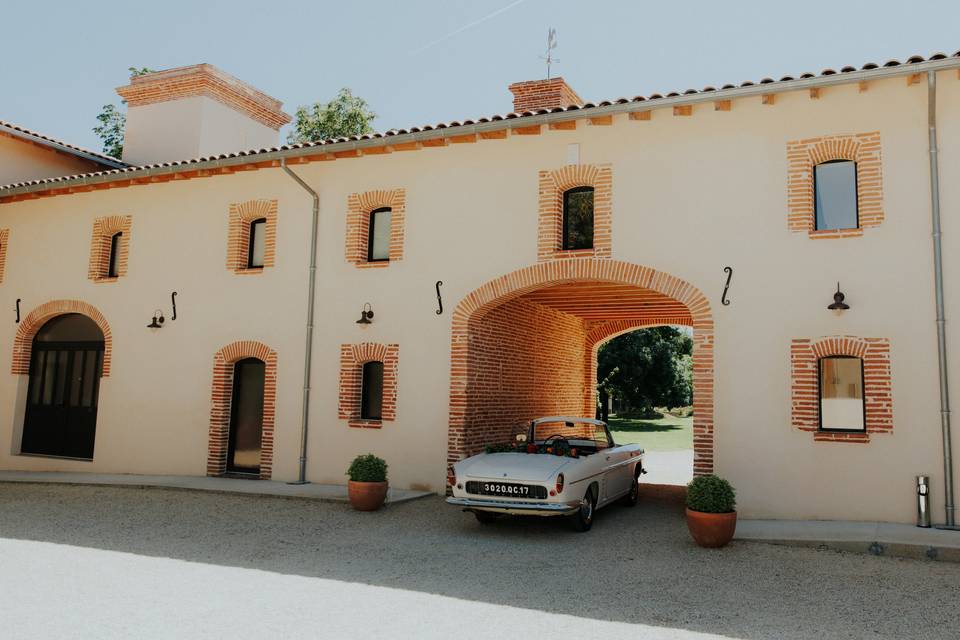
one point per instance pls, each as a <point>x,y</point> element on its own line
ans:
<point>514,508</point>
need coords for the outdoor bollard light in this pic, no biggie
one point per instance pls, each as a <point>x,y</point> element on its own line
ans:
<point>366,314</point>
<point>158,319</point>
<point>923,501</point>
<point>838,303</point>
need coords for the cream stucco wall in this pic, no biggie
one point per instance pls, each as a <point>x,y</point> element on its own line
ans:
<point>21,161</point>
<point>690,196</point>
<point>191,127</point>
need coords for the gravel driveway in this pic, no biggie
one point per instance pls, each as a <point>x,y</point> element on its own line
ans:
<point>157,563</point>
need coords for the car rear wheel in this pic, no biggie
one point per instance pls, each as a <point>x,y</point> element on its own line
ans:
<point>583,518</point>
<point>485,517</point>
<point>631,499</point>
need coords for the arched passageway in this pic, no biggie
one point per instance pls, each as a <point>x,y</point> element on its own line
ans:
<point>524,345</point>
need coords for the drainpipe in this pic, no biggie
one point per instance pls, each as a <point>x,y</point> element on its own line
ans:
<point>938,286</point>
<point>311,296</point>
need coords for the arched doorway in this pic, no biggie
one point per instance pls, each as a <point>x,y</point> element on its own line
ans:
<point>246,417</point>
<point>524,345</point>
<point>62,393</point>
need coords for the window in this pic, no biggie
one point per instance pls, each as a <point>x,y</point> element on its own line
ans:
<point>378,235</point>
<point>835,195</point>
<point>841,394</point>
<point>255,245</point>
<point>578,218</point>
<point>371,391</point>
<point>112,265</point>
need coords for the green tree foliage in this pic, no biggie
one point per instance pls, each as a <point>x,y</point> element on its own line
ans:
<point>112,121</point>
<point>345,115</point>
<point>647,368</point>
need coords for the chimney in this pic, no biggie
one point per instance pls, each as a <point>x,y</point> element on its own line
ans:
<point>542,94</point>
<point>196,111</point>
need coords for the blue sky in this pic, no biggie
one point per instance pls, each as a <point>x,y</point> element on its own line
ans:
<point>425,61</point>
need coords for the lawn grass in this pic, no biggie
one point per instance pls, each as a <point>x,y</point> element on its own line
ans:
<point>666,434</point>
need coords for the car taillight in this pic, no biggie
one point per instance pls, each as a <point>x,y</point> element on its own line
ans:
<point>560,483</point>
<point>451,476</point>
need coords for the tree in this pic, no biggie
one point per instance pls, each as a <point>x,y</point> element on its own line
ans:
<point>112,121</point>
<point>345,115</point>
<point>647,368</point>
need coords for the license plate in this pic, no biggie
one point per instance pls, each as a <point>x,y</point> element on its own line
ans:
<point>505,489</point>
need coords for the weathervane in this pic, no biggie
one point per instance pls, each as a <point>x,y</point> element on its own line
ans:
<point>551,45</point>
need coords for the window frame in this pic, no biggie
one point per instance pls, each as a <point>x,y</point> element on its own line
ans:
<point>863,394</point>
<point>566,219</point>
<point>364,404</point>
<point>251,236</point>
<point>371,225</point>
<point>113,258</point>
<point>856,195</point>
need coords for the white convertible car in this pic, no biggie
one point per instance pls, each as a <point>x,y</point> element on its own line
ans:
<point>563,466</point>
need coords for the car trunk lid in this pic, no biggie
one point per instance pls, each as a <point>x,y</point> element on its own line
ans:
<point>523,467</point>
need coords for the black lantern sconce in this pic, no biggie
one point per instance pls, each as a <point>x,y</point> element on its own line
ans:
<point>158,320</point>
<point>366,314</point>
<point>838,303</point>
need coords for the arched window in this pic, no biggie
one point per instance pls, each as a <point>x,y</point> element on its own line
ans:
<point>255,245</point>
<point>371,391</point>
<point>835,195</point>
<point>113,267</point>
<point>378,235</point>
<point>578,218</point>
<point>841,394</point>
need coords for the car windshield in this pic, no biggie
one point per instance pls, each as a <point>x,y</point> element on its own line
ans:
<point>578,434</point>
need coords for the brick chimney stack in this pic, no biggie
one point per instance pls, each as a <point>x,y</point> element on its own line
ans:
<point>542,94</point>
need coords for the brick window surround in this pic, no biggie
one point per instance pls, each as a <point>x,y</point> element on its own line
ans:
<point>553,184</point>
<point>4,239</point>
<point>805,355</point>
<point>804,155</point>
<point>221,398</point>
<point>359,208</point>
<point>352,359</point>
<point>28,327</point>
<point>238,237</point>
<point>100,244</point>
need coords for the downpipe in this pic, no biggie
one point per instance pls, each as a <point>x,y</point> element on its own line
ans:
<point>311,299</point>
<point>938,287</point>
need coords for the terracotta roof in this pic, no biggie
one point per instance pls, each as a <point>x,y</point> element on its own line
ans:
<point>26,134</point>
<point>464,127</point>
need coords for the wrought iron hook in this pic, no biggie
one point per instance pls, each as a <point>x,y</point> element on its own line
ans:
<point>723,298</point>
<point>439,299</point>
<point>173,300</point>
<point>18,310</point>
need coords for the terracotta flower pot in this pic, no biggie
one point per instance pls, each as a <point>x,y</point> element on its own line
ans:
<point>366,496</point>
<point>711,529</point>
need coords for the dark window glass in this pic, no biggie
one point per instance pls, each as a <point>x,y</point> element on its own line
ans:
<point>255,245</point>
<point>371,391</point>
<point>841,394</point>
<point>112,266</point>
<point>578,218</point>
<point>835,195</point>
<point>378,240</point>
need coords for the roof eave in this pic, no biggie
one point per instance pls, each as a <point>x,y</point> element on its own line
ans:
<point>79,153</point>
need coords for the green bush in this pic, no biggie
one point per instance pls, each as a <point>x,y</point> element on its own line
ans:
<point>711,494</point>
<point>368,468</point>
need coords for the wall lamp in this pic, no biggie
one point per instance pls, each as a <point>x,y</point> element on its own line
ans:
<point>366,314</point>
<point>838,303</point>
<point>158,320</point>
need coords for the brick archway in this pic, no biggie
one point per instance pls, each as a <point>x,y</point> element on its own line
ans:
<point>23,341</point>
<point>221,396</point>
<point>512,292</point>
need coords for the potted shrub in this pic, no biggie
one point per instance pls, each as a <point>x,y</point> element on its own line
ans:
<point>367,488</point>
<point>711,517</point>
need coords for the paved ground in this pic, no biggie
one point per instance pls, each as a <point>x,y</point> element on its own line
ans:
<point>95,562</point>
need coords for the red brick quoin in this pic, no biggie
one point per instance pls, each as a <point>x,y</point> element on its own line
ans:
<point>804,359</point>
<point>220,401</point>
<point>359,207</point>
<point>352,359</point>
<point>503,368</point>
<point>27,329</point>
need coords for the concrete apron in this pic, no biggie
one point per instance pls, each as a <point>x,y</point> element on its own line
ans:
<point>241,486</point>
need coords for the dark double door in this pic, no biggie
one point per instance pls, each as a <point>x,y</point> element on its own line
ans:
<point>246,417</point>
<point>61,412</point>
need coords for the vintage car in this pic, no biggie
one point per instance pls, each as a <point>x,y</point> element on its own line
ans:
<point>562,466</point>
